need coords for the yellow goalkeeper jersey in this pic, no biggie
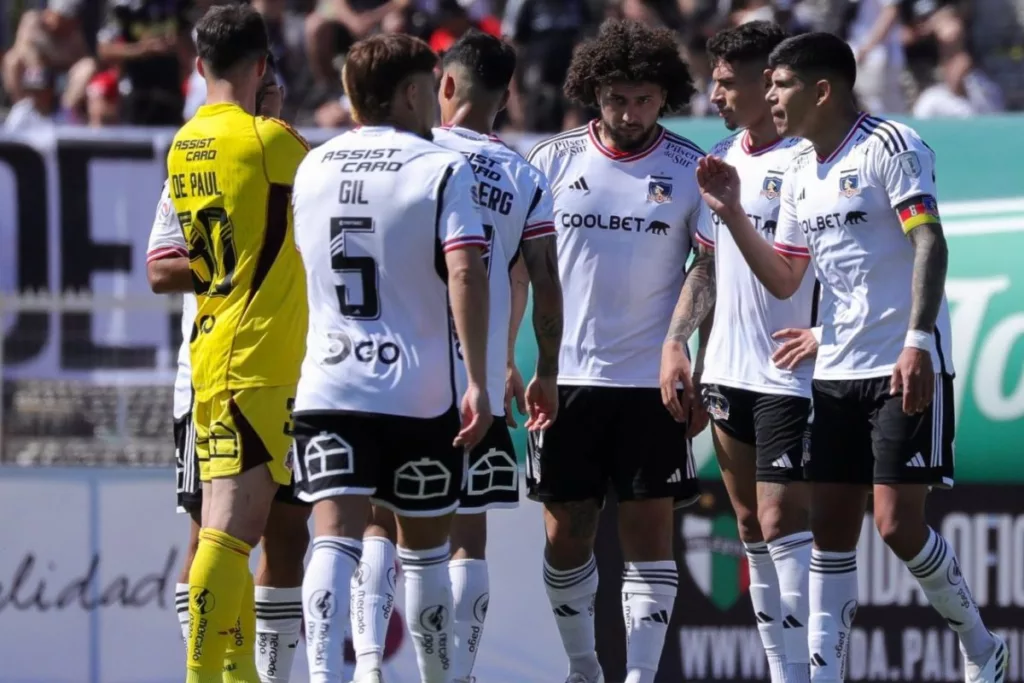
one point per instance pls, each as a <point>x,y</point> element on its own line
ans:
<point>231,176</point>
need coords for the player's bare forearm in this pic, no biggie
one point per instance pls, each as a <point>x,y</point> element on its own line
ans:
<point>931,259</point>
<point>469,294</point>
<point>169,275</point>
<point>703,336</point>
<point>541,257</point>
<point>519,280</point>
<point>780,275</point>
<point>696,299</point>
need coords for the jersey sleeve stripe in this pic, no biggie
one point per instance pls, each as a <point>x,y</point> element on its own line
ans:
<point>899,142</point>
<point>531,232</point>
<point>792,250</point>
<point>464,242</point>
<point>710,244</point>
<point>294,133</point>
<point>161,253</point>
<point>537,196</point>
<point>279,200</point>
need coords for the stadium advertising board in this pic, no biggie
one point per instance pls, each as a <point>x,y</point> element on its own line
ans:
<point>897,637</point>
<point>79,570</point>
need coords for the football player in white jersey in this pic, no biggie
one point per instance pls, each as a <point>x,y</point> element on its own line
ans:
<point>279,573</point>
<point>626,212</point>
<point>758,409</point>
<point>388,235</point>
<point>859,203</point>
<point>514,202</point>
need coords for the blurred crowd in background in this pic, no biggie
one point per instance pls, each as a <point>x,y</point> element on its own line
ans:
<point>131,62</point>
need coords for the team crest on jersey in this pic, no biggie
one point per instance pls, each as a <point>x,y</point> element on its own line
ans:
<point>717,405</point>
<point>659,190</point>
<point>849,184</point>
<point>771,187</point>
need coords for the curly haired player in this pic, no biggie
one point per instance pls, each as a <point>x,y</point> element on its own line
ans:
<point>626,209</point>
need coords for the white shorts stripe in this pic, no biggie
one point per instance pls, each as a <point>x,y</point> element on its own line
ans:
<point>937,423</point>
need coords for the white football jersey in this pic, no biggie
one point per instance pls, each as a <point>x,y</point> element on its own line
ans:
<point>626,224</point>
<point>166,240</point>
<point>514,203</point>
<point>739,353</point>
<point>375,210</point>
<point>841,211</point>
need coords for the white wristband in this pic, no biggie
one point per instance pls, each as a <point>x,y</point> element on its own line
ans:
<point>918,340</point>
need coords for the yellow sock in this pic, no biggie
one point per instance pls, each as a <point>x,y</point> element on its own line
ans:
<point>240,656</point>
<point>216,584</point>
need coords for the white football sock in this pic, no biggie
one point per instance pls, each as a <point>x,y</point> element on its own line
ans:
<point>764,596</point>
<point>278,623</point>
<point>428,604</point>
<point>470,593</point>
<point>937,570</point>
<point>181,604</point>
<point>648,596</point>
<point>792,558</point>
<point>832,598</point>
<point>325,602</point>
<point>373,600</point>
<point>572,593</point>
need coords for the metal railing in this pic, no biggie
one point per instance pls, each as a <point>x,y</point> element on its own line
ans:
<point>51,414</point>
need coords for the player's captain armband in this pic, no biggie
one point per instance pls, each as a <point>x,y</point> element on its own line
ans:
<point>918,211</point>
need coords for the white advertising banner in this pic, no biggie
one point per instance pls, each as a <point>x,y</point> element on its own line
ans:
<point>90,557</point>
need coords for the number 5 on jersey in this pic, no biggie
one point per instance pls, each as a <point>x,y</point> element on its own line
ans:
<point>211,250</point>
<point>363,304</point>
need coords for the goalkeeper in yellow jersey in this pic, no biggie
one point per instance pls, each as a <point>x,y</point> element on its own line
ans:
<point>230,177</point>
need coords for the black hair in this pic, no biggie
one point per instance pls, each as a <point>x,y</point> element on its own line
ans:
<point>629,51</point>
<point>750,43</point>
<point>489,61</point>
<point>228,36</point>
<point>816,55</point>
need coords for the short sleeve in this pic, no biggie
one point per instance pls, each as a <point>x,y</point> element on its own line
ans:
<point>540,222</point>
<point>705,232</point>
<point>905,165</point>
<point>284,148</point>
<point>789,238</point>
<point>166,240</point>
<point>459,224</point>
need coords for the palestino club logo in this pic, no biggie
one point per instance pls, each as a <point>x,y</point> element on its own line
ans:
<point>395,635</point>
<point>714,554</point>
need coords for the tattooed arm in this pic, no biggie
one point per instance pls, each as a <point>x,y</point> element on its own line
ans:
<point>541,258</point>
<point>696,300</point>
<point>931,257</point>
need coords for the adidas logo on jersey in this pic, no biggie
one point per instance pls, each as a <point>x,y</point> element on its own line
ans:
<point>675,477</point>
<point>803,195</point>
<point>580,184</point>
<point>783,462</point>
<point>917,461</point>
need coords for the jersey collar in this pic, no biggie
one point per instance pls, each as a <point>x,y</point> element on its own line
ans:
<point>845,142</point>
<point>619,155</point>
<point>749,148</point>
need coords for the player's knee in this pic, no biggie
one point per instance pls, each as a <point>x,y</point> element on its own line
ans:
<point>191,547</point>
<point>424,533</point>
<point>780,516</point>
<point>469,537</point>
<point>837,512</point>
<point>286,538</point>
<point>343,516</point>
<point>645,529</point>
<point>570,529</point>
<point>902,527</point>
<point>749,525</point>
